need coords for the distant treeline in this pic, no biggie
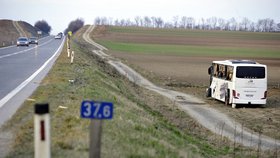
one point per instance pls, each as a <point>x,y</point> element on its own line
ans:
<point>213,23</point>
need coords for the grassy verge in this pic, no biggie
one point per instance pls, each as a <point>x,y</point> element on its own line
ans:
<point>136,130</point>
<point>144,125</point>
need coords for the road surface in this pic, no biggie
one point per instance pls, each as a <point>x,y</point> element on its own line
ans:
<point>212,119</point>
<point>21,70</point>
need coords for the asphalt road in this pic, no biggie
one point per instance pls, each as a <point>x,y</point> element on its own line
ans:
<point>22,66</point>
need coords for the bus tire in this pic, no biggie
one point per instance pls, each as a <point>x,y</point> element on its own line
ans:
<point>233,105</point>
<point>227,97</point>
<point>208,92</point>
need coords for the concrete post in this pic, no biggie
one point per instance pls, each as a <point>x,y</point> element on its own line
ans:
<point>42,131</point>
<point>72,56</point>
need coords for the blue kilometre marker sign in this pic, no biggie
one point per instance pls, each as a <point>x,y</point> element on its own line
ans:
<point>96,110</point>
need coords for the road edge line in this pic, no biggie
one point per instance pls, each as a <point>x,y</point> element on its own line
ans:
<point>4,100</point>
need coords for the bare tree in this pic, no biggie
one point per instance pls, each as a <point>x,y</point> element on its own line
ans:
<point>137,20</point>
<point>168,25</point>
<point>122,22</point>
<point>221,23</point>
<point>245,24</point>
<point>227,25</point>
<point>128,22</point>
<point>110,21</point>
<point>259,26</point>
<point>278,27</point>
<point>159,22</point>
<point>97,21</point>
<point>183,22</point>
<point>270,25</point>
<point>202,24</point>
<point>233,24</point>
<point>190,22</point>
<point>141,22</point>
<point>252,26</point>
<point>175,21</point>
<point>147,21</point>
<point>265,25</point>
<point>116,22</point>
<point>153,20</point>
<point>213,22</point>
<point>103,21</point>
<point>208,24</point>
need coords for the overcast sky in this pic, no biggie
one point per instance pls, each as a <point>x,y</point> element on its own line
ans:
<point>58,13</point>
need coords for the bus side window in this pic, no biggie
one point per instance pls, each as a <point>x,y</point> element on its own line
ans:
<point>229,73</point>
<point>221,73</point>
<point>216,69</point>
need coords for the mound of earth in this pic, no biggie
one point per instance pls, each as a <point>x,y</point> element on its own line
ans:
<point>11,30</point>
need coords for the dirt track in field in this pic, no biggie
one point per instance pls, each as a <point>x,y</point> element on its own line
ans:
<point>189,74</point>
<point>199,110</point>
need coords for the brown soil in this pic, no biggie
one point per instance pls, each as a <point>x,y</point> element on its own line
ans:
<point>8,33</point>
<point>189,74</point>
<point>189,40</point>
<point>192,70</point>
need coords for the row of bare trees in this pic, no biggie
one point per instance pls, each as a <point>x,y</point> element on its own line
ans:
<point>213,23</point>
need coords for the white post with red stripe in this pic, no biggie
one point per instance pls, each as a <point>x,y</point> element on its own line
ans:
<point>72,56</point>
<point>42,141</point>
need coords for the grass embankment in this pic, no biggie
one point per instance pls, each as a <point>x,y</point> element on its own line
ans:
<point>144,124</point>
<point>138,128</point>
<point>192,42</point>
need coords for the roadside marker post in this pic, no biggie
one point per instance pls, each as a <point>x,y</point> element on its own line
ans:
<point>42,142</point>
<point>68,52</point>
<point>72,56</point>
<point>96,111</point>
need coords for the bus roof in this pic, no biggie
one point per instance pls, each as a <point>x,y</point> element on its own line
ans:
<point>237,62</point>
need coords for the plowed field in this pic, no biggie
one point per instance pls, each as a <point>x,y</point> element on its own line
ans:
<point>179,60</point>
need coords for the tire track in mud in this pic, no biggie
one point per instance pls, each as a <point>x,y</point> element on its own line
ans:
<point>210,118</point>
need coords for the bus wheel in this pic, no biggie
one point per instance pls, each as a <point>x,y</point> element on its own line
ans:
<point>208,92</point>
<point>233,106</point>
<point>227,96</point>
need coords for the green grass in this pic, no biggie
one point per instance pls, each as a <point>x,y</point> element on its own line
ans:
<point>135,131</point>
<point>267,48</point>
<point>196,33</point>
<point>185,50</point>
<point>143,123</point>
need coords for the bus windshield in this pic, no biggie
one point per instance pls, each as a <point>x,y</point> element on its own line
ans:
<point>250,72</point>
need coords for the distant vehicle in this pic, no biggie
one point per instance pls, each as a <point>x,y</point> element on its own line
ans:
<point>238,82</point>
<point>33,40</point>
<point>22,41</point>
<point>59,36</point>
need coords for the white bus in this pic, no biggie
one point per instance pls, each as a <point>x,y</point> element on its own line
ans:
<point>238,82</point>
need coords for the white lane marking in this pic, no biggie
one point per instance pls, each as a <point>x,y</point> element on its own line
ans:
<point>24,51</point>
<point>24,83</point>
